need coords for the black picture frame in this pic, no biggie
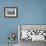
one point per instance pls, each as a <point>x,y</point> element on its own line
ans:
<point>11,14</point>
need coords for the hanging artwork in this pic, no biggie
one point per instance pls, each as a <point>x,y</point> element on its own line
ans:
<point>11,12</point>
<point>32,32</point>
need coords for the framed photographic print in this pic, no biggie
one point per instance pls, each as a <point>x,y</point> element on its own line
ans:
<point>11,12</point>
<point>33,32</point>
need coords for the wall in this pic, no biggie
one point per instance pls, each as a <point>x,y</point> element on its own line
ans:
<point>29,12</point>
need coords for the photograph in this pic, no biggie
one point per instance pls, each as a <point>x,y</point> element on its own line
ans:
<point>32,32</point>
